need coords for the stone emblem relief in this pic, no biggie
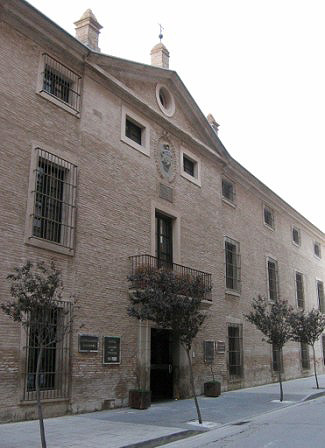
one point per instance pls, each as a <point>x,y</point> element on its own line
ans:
<point>165,158</point>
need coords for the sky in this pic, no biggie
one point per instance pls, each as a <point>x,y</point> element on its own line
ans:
<point>257,65</point>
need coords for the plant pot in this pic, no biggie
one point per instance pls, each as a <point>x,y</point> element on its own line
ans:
<point>139,399</point>
<point>212,389</point>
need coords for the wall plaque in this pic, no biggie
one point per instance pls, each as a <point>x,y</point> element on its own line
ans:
<point>165,192</point>
<point>88,343</point>
<point>221,347</point>
<point>111,350</point>
<point>165,158</point>
<point>208,351</point>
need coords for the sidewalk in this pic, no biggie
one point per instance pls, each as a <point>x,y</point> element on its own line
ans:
<point>161,423</point>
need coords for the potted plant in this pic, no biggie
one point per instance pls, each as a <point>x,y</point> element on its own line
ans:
<point>212,388</point>
<point>139,398</point>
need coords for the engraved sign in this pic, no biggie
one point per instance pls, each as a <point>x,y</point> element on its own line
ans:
<point>88,343</point>
<point>208,351</point>
<point>221,347</point>
<point>166,192</point>
<point>111,350</point>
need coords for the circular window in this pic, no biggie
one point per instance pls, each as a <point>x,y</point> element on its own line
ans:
<point>165,100</point>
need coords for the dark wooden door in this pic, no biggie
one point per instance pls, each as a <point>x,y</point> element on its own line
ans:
<point>161,372</point>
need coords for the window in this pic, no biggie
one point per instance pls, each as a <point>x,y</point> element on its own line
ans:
<point>232,270</point>
<point>53,201</point>
<point>164,239</point>
<point>60,83</point>
<point>320,296</point>
<point>296,236</point>
<point>277,359</point>
<point>135,131</point>
<point>235,361</point>
<point>317,250</point>
<point>300,290</point>
<point>268,216</point>
<point>304,351</point>
<point>49,329</point>
<point>272,271</point>
<point>228,191</point>
<point>165,100</point>
<point>190,167</point>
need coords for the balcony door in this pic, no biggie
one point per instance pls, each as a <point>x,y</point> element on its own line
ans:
<point>164,238</point>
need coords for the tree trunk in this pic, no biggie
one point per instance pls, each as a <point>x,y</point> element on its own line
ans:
<point>279,353</point>
<point>38,397</point>
<point>314,361</point>
<point>192,385</point>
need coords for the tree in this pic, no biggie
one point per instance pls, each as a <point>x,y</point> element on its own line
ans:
<point>272,319</point>
<point>306,329</point>
<point>172,301</point>
<point>36,293</point>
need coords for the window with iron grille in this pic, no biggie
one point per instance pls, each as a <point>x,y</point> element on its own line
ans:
<point>320,295</point>
<point>300,290</point>
<point>272,271</point>
<point>232,268</point>
<point>228,191</point>
<point>47,329</point>
<point>304,351</point>
<point>54,199</point>
<point>277,359</point>
<point>268,216</point>
<point>296,236</point>
<point>317,250</point>
<point>235,356</point>
<point>61,83</point>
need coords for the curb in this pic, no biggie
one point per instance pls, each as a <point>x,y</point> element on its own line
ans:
<point>313,396</point>
<point>164,439</point>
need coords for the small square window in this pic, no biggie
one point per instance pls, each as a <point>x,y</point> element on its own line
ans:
<point>188,166</point>
<point>317,250</point>
<point>133,131</point>
<point>296,236</point>
<point>228,191</point>
<point>268,216</point>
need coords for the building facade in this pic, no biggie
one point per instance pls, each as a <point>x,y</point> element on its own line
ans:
<point>108,165</point>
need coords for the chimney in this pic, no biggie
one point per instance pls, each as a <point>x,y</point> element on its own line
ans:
<point>213,123</point>
<point>88,29</point>
<point>160,56</point>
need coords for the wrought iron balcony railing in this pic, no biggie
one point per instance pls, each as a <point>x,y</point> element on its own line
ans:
<point>140,263</point>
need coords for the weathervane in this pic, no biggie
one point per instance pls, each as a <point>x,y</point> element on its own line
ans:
<point>160,32</point>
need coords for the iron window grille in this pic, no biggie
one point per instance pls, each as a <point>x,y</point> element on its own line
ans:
<point>228,191</point>
<point>189,166</point>
<point>268,217</point>
<point>296,236</point>
<point>133,131</point>
<point>320,294</point>
<point>49,329</point>
<point>233,265</point>
<point>235,351</point>
<point>304,351</point>
<point>300,290</point>
<point>54,193</point>
<point>272,269</point>
<point>61,82</point>
<point>277,359</point>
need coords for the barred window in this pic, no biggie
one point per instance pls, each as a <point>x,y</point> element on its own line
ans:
<point>54,199</point>
<point>320,295</point>
<point>277,359</point>
<point>61,82</point>
<point>268,216</point>
<point>300,290</point>
<point>272,270</point>
<point>47,329</point>
<point>304,350</point>
<point>232,268</point>
<point>235,357</point>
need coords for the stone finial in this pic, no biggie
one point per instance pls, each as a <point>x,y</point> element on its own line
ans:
<point>213,123</point>
<point>160,56</point>
<point>88,29</point>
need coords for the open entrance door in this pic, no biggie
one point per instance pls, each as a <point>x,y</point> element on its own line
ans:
<point>161,371</point>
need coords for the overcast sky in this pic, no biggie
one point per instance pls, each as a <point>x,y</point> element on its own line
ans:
<point>257,65</point>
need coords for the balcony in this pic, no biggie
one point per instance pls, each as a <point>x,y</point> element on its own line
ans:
<point>147,263</point>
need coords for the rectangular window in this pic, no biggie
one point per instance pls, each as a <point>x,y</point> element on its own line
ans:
<point>320,296</point>
<point>300,290</point>
<point>228,191</point>
<point>133,131</point>
<point>304,351</point>
<point>272,271</point>
<point>48,329</point>
<point>61,83</point>
<point>268,216</point>
<point>188,166</point>
<point>54,199</point>
<point>277,359</point>
<point>232,258</point>
<point>317,250</point>
<point>235,361</point>
<point>296,236</point>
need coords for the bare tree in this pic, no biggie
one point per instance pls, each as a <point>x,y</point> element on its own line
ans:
<point>173,302</point>
<point>306,328</point>
<point>272,319</point>
<point>36,293</point>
